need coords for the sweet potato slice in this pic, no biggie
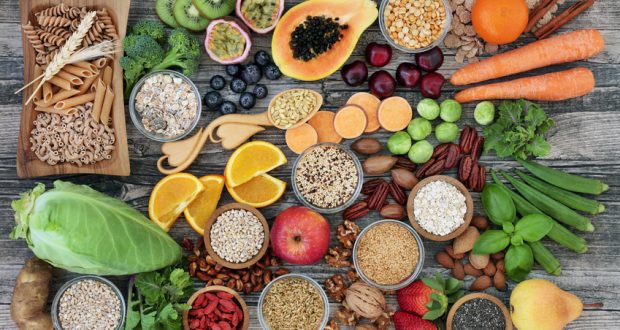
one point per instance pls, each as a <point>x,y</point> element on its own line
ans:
<point>370,104</point>
<point>350,121</point>
<point>323,123</point>
<point>394,113</point>
<point>300,138</point>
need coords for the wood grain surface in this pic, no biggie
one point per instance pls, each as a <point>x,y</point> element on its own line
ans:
<point>586,141</point>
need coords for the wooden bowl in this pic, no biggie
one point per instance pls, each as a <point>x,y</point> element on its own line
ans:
<point>218,288</point>
<point>468,202</point>
<point>207,236</point>
<point>471,296</point>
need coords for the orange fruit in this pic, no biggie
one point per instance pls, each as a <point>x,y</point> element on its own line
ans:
<point>251,160</point>
<point>198,212</point>
<point>171,196</point>
<point>260,191</point>
<point>499,21</point>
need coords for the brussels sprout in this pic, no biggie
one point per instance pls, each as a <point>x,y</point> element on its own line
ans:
<point>484,113</point>
<point>446,132</point>
<point>428,108</point>
<point>419,129</point>
<point>399,143</point>
<point>420,152</point>
<point>450,111</point>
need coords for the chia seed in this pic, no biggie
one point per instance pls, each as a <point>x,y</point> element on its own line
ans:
<point>479,314</point>
<point>315,36</point>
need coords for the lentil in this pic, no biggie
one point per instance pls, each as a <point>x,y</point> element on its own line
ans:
<point>326,177</point>
<point>387,254</point>
<point>439,208</point>
<point>167,104</point>
<point>89,304</point>
<point>291,107</point>
<point>479,314</point>
<point>414,24</point>
<point>315,36</point>
<point>237,235</point>
<point>293,303</point>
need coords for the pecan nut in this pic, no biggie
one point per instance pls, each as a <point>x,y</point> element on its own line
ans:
<point>467,139</point>
<point>437,168</point>
<point>482,178</point>
<point>441,151</point>
<point>376,200</point>
<point>465,169</point>
<point>370,186</point>
<point>356,211</point>
<point>452,157</point>
<point>421,172</point>
<point>472,181</point>
<point>398,194</point>
<point>405,163</point>
<point>476,150</point>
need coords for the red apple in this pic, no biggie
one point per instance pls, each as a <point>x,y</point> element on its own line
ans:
<point>300,236</point>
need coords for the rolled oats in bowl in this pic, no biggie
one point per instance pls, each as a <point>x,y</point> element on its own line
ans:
<point>439,208</point>
<point>237,235</point>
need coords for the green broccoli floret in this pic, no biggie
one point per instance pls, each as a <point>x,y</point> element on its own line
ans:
<point>143,49</point>
<point>184,52</point>
<point>132,71</point>
<point>152,29</point>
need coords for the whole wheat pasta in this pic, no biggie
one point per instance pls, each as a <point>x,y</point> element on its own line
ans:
<point>106,108</point>
<point>87,65</point>
<point>53,21</point>
<point>57,97</point>
<point>59,31</point>
<point>58,10</point>
<point>88,83</point>
<point>33,37</point>
<point>62,83</point>
<point>74,24</point>
<point>40,59</point>
<point>78,71</point>
<point>52,39</point>
<point>107,76</point>
<point>47,93</point>
<point>99,97</point>
<point>39,95</point>
<point>62,112</point>
<point>109,28</point>
<point>73,79</point>
<point>73,13</point>
<point>76,100</point>
<point>100,63</point>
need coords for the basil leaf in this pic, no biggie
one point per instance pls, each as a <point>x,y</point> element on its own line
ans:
<point>519,261</point>
<point>491,241</point>
<point>508,227</point>
<point>516,239</point>
<point>534,227</point>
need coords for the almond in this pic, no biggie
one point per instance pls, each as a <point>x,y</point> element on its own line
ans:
<point>444,260</point>
<point>465,242</point>
<point>500,266</point>
<point>470,270</point>
<point>479,261</point>
<point>490,269</point>
<point>498,256</point>
<point>404,178</point>
<point>458,272</point>
<point>499,281</point>
<point>480,284</point>
<point>450,250</point>
<point>480,222</point>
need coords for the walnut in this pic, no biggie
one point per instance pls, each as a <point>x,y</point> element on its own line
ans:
<point>365,300</point>
<point>365,327</point>
<point>338,257</point>
<point>332,325</point>
<point>352,275</point>
<point>347,233</point>
<point>346,316</point>
<point>336,287</point>
<point>383,322</point>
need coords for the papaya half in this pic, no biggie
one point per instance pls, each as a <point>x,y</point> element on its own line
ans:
<point>354,16</point>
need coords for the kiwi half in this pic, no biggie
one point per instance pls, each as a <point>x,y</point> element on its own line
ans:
<point>165,13</point>
<point>215,8</point>
<point>188,16</point>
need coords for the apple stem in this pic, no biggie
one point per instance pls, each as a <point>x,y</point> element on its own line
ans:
<point>593,306</point>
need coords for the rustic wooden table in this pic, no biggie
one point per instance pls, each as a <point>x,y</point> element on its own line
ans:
<point>585,141</point>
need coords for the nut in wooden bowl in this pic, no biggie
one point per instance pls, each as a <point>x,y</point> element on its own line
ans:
<point>442,223</point>
<point>227,301</point>
<point>470,302</point>
<point>236,219</point>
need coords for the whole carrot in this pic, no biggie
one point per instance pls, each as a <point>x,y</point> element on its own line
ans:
<point>568,47</point>
<point>555,86</point>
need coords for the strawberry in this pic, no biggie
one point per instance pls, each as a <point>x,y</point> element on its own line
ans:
<point>406,321</point>
<point>430,297</point>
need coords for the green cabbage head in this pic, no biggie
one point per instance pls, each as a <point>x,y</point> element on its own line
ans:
<point>79,229</point>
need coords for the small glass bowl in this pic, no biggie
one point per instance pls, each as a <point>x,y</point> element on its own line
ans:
<point>416,270</point>
<point>356,193</point>
<point>64,287</point>
<point>261,319</point>
<point>136,117</point>
<point>384,30</point>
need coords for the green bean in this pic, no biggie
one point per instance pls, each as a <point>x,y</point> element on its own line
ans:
<point>545,258</point>
<point>565,197</point>
<point>550,206</point>
<point>565,180</point>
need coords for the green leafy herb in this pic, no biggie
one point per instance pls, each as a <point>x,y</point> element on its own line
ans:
<point>519,131</point>
<point>448,291</point>
<point>157,300</point>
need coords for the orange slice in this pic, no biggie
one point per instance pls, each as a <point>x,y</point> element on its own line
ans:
<point>261,191</point>
<point>198,212</point>
<point>171,196</point>
<point>251,160</point>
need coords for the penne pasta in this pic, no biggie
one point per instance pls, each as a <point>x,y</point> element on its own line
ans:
<point>88,66</point>
<point>88,83</point>
<point>107,106</point>
<point>100,63</point>
<point>73,79</point>
<point>99,97</point>
<point>62,83</point>
<point>76,70</point>
<point>47,92</point>
<point>107,76</point>
<point>62,112</point>
<point>39,95</point>
<point>57,97</point>
<point>76,100</point>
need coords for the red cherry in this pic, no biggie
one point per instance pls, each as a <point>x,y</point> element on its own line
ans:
<point>382,84</point>
<point>430,60</point>
<point>408,74</point>
<point>431,85</point>
<point>378,55</point>
<point>354,74</point>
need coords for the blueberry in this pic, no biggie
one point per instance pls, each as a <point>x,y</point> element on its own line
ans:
<point>227,108</point>
<point>272,72</point>
<point>260,91</point>
<point>237,85</point>
<point>233,70</point>
<point>213,100</point>
<point>251,73</point>
<point>218,82</point>
<point>262,58</point>
<point>247,100</point>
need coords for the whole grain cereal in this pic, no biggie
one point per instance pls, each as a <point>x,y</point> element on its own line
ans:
<point>439,208</point>
<point>89,304</point>
<point>237,235</point>
<point>293,303</point>
<point>387,253</point>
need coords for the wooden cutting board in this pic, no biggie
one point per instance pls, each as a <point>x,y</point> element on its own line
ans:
<point>28,165</point>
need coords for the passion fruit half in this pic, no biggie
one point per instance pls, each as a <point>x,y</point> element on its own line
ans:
<point>260,15</point>
<point>227,41</point>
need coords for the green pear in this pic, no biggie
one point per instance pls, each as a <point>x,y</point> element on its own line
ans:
<point>538,304</point>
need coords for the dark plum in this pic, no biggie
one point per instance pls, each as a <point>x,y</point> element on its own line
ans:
<point>378,55</point>
<point>354,74</point>
<point>408,74</point>
<point>430,60</point>
<point>382,84</point>
<point>431,85</point>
